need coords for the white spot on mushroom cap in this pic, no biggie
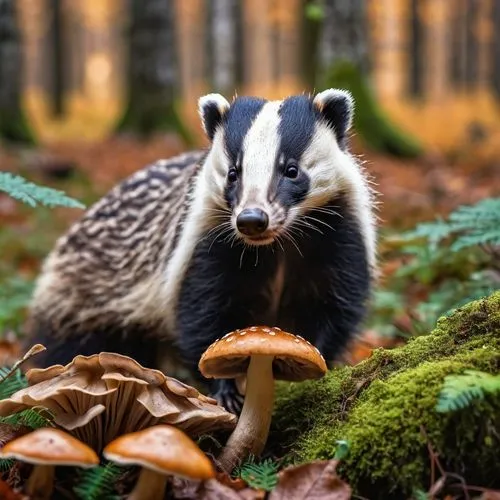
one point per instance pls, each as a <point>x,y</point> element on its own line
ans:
<point>253,328</point>
<point>271,333</point>
<point>229,339</point>
<point>243,333</point>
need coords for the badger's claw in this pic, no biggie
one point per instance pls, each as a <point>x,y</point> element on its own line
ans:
<point>227,395</point>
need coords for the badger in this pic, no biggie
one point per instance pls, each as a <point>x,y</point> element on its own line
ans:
<point>272,224</point>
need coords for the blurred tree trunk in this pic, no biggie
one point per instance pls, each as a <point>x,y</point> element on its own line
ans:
<point>222,40</point>
<point>153,75</point>
<point>344,54</point>
<point>344,36</point>
<point>312,18</point>
<point>13,125</point>
<point>57,58</point>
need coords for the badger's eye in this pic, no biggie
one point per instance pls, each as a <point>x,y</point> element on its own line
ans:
<point>232,175</point>
<point>292,170</point>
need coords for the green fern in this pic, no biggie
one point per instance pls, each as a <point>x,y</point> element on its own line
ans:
<point>263,475</point>
<point>35,418</point>
<point>98,483</point>
<point>471,225</point>
<point>459,391</point>
<point>28,192</point>
<point>11,384</point>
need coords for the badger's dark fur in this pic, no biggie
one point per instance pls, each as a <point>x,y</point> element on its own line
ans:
<point>168,258</point>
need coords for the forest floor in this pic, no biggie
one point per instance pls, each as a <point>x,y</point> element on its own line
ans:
<point>410,191</point>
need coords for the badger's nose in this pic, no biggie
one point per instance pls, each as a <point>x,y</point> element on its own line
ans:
<point>252,221</point>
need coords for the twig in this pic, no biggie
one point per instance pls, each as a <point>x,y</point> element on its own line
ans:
<point>37,348</point>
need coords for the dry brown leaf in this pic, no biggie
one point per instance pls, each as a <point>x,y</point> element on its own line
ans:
<point>313,481</point>
<point>490,495</point>
<point>212,489</point>
<point>234,483</point>
<point>6,492</point>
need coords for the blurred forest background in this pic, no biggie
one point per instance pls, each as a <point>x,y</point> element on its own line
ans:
<point>92,91</point>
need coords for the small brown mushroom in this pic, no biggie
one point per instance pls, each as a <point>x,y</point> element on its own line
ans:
<point>161,451</point>
<point>46,448</point>
<point>263,354</point>
<point>97,398</point>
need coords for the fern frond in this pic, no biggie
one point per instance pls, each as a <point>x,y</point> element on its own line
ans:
<point>28,192</point>
<point>6,464</point>
<point>470,225</point>
<point>34,418</point>
<point>12,384</point>
<point>98,483</point>
<point>459,391</point>
<point>434,232</point>
<point>263,475</point>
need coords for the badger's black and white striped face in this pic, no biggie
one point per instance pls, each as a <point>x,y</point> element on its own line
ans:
<point>272,160</point>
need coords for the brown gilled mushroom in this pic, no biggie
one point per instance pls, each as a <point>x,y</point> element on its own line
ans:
<point>46,448</point>
<point>97,398</point>
<point>161,451</point>
<point>262,354</point>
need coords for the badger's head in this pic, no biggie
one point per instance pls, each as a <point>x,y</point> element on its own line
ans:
<point>271,161</point>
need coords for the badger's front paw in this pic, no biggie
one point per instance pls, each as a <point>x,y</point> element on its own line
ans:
<point>227,395</point>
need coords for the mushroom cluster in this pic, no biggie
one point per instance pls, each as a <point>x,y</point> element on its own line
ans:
<point>262,355</point>
<point>100,397</point>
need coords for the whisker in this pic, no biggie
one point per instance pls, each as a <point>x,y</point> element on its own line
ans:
<point>319,221</point>
<point>291,239</point>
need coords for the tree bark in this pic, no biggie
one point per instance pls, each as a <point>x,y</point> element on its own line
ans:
<point>153,74</point>
<point>223,45</point>
<point>13,125</point>
<point>344,36</point>
<point>58,74</point>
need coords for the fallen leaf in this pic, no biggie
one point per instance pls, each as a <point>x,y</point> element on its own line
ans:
<point>236,484</point>
<point>6,492</point>
<point>313,481</point>
<point>184,489</point>
<point>490,495</point>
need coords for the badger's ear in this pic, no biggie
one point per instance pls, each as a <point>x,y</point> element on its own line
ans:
<point>212,108</point>
<point>336,106</point>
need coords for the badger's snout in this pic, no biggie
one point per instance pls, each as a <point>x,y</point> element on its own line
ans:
<point>252,221</point>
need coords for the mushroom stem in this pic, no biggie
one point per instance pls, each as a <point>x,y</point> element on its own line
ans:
<point>250,434</point>
<point>41,482</point>
<point>150,486</point>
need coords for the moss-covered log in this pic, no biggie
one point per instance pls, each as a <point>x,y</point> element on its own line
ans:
<point>385,408</point>
<point>370,122</point>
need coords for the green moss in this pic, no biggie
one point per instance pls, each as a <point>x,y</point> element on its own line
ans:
<point>381,406</point>
<point>369,120</point>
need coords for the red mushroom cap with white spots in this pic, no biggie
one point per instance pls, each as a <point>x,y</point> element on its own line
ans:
<point>295,359</point>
